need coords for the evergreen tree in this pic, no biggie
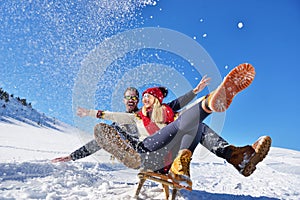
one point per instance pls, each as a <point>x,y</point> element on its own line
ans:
<point>23,101</point>
<point>5,96</point>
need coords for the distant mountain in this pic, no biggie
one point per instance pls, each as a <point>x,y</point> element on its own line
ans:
<point>19,109</point>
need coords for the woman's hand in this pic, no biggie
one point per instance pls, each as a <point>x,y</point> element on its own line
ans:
<point>82,112</point>
<point>203,83</point>
<point>62,159</point>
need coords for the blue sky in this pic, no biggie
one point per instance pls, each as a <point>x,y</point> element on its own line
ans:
<point>43,44</point>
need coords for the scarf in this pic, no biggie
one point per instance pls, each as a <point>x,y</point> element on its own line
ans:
<point>151,126</point>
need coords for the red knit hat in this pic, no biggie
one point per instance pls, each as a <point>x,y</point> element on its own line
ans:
<point>158,92</point>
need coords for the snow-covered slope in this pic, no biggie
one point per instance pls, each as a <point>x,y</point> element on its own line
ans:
<point>27,173</point>
<point>16,108</point>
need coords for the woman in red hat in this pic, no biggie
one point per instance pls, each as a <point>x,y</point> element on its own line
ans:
<point>154,113</point>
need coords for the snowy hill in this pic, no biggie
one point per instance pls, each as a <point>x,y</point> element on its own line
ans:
<point>27,173</point>
<point>16,108</point>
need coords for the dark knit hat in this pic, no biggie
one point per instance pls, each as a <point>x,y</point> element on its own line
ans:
<point>158,92</point>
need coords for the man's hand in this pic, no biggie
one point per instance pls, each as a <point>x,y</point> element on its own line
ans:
<point>82,112</point>
<point>62,159</point>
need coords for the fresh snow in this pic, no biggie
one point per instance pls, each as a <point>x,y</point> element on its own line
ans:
<point>26,171</point>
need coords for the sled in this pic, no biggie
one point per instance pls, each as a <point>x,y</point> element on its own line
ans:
<point>164,179</point>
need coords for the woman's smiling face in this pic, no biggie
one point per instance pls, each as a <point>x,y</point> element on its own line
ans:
<point>148,100</point>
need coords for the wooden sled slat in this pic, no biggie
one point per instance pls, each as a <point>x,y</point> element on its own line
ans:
<point>165,180</point>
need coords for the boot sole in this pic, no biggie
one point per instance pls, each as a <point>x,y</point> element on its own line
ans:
<point>237,80</point>
<point>109,140</point>
<point>261,152</point>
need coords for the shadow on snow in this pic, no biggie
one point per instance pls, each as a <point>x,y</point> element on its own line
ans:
<point>199,195</point>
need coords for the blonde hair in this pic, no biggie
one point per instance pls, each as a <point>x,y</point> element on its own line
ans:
<point>157,112</point>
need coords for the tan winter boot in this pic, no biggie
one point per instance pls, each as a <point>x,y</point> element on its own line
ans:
<point>180,169</point>
<point>237,80</point>
<point>245,159</point>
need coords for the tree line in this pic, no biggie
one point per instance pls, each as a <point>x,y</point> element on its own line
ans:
<point>6,97</point>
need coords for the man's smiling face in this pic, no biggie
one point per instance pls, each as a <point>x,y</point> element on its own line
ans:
<point>131,100</point>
